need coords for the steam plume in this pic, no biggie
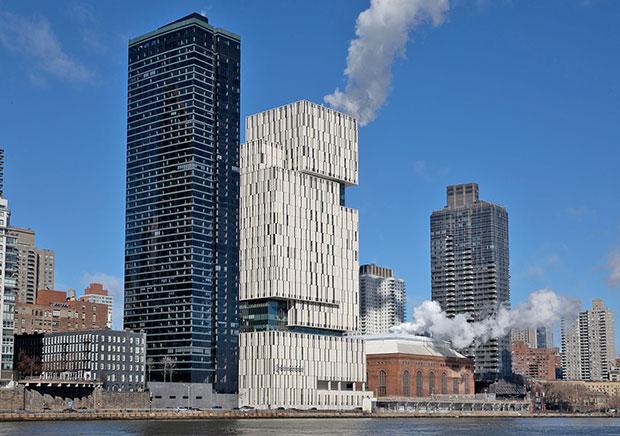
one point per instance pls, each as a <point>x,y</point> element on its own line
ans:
<point>542,308</point>
<point>382,31</point>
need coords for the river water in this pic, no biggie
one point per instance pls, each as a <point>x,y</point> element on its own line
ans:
<point>342,426</point>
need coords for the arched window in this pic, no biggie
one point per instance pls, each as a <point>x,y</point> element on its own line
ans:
<point>382,385</point>
<point>455,386</point>
<point>466,382</point>
<point>431,383</point>
<point>444,384</point>
<point>406,392</point>
<point>418,385</point>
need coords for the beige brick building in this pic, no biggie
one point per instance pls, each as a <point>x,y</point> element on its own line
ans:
<point>53,312</point>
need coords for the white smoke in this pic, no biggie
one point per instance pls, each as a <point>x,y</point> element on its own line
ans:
<point>542,308</point>
<point>382,32</point>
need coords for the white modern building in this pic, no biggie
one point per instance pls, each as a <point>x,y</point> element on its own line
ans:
<point>382,300</point>
<point>299,283</point>
<point>588,344</point>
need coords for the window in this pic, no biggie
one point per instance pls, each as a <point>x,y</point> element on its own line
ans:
<point>418,385</point>
<point>455,386</point>
<point>406,391</point>
<point>431,383</point>
<point>382,386</point>
<point>444,384</point>
<point>466,381</point>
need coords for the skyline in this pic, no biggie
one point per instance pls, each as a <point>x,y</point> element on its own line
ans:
<point>555,250</point>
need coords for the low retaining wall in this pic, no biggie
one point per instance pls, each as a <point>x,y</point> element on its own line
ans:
<point>26,399</point>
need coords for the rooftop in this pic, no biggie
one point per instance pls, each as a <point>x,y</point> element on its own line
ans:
<point>191,19</point>
<point>409,344</point>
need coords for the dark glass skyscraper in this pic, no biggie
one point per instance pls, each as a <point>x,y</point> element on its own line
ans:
<point>182,243</point>
<point>470,269</point>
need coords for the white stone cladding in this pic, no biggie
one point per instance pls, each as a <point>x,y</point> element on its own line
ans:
<point>299,245</point>
<point>286,369</point>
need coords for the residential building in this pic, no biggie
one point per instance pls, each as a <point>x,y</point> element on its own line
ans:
<point>416,366</point>
<point>46,260</point>
<point>35,266</point>
<point>54,312</point>
<point>95,293</point>
<point>382,300</point>
<point>588,344</point>
<point>8,284</point>
<point>470,269</point>
<point>182,215</point>
<point>534,337</point>
<point>115,358</point>
<point>299,270</point>
<point>534,363</point>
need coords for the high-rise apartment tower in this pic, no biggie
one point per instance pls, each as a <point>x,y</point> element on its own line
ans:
<point>382,300</point>
<point>470,269</point>
<point>35,266</point>
<point>182,243</point>
<point>8,284</point>
<point>588,344</point>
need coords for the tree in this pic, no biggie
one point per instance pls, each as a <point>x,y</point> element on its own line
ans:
<point>149,366</point>
<point>572,397</point>
<point>169,364</point>
<point>28,365</point>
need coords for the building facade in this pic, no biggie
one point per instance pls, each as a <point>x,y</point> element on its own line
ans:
<point>35,267</point>
<point>588,344</point>
<point>54,312</point>
<point>415,366</point>
<point>95,293</point>
<point>115,358</point>
<point>299,270</point>
<point>382,300</point>
<point>8,287</point>
<point>182,242</point>
<point>470,269</point>
<point>534,363</point>
<point>534,337</point>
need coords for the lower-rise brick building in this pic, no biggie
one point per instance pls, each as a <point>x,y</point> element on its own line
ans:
<point>53,311</point>
<point>416,366</point>
<point>534,363</point>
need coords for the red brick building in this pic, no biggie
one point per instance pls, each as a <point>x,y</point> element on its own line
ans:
<point>534,363</point>
<point>416,366</point>
<point>53,312</point>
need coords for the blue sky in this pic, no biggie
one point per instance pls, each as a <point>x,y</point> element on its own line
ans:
<point>522,97</point>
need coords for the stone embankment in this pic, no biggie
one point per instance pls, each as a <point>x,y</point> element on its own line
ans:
<point>85,415</point>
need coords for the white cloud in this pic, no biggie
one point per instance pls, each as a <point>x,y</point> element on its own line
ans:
<point>115,287</point>
<point>381,32</point>
<point>36,39</point>
<point>614,268</point>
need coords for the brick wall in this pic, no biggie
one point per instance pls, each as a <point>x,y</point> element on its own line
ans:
<point>395,365</point>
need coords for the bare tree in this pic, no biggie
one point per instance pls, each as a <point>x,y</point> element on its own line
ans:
<point>149,366</point>
<point>28,365</point>
<point>169,364</point>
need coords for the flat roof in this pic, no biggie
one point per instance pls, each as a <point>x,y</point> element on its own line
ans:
<point>194,18</point>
